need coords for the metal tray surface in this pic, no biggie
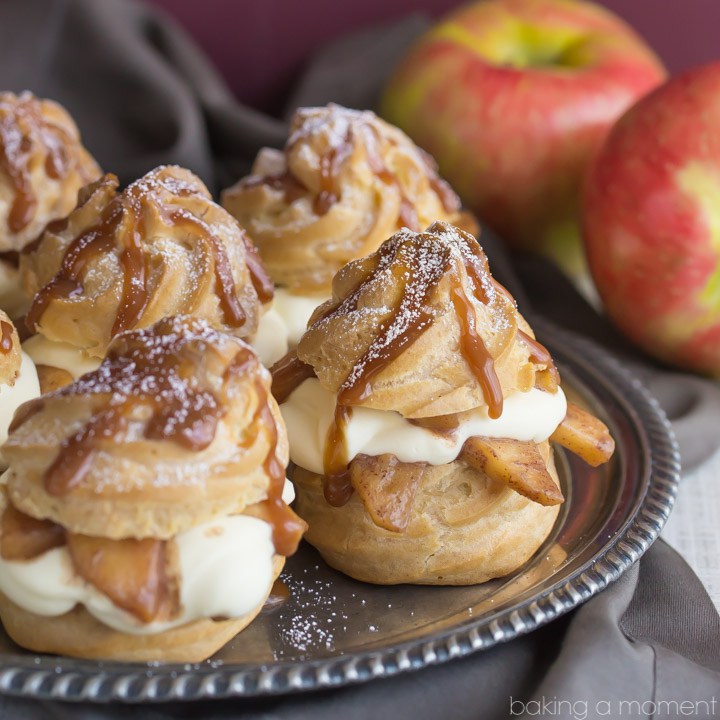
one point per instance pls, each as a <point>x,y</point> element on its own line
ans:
<point>334,630</point>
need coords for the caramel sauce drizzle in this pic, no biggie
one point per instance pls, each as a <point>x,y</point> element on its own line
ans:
<point>338,153</point>
<point>261,281</point>
<point>20,124</point>
<point>288,373</point>
<point>337,487</point>
<point>6,337</point>
<point>539,354</point>
<point>149,373</point>
<point>287,527</point>
<point>286,182</point>
<point>224,283</point>
<point>102,238</point>
<point>476,354</point>
<point>330,164</point>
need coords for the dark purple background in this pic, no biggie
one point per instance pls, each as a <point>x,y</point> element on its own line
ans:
<point>260,45</point>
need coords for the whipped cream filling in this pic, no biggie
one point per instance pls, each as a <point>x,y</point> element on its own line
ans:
<point>26,388</point>
<point>295,311</point>
<point>271,339</point>
<point>60,355</point>
<point>308,413</point>
<point>226,570</point>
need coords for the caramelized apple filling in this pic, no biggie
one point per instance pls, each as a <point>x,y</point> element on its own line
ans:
<point>387,488</point>
<point>584,435</point>
<point>138,576</point>
<point>134,574</point>
<point>519,465</point>
<point>24,538</point>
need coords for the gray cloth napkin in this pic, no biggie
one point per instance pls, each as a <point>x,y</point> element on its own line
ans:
<point>143,94</point>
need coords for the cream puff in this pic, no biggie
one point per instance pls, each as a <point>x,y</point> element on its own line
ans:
<point>345,181</point>
<point>124,260</point>
<point>420,408</point>
<point>144,516</point>
<point>18,377</point>
<point>43,164</point>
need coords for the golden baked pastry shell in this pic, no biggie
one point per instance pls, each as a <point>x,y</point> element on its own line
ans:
<point>464,529</point>
<point>79,634</point>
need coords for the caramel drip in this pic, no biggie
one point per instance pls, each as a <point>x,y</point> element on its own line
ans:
<point>288,373</point>
<point>146,376</point>
<point>402,328</point>
<point>18,127</point>
<point>285,182</point>
<point>134,293</point>
<point>224,282</point>
<point>475,353</point>
<point>539,354</point>
<point>337,487</point>
<point>330,164</point>
<point>85,248</point>
<point>261,281</point>
<point>287,528</point>
<point>6,337</point>
<point>76,453</point>
<point>24,538</point>
<point>408,215</point>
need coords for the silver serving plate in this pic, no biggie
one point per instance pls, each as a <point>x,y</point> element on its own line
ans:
<point>334,631</point>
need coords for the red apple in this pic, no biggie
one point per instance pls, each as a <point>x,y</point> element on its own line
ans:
<point>651,221</point>
<point>512,97</point>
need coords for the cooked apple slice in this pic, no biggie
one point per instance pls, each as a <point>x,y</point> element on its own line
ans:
<point>24,537</point>
<point>132,573</point>
<point>586,436</point>
<point>387,488</point>
<point>519,465</point>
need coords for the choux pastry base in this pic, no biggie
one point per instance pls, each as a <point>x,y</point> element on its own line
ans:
<point>79,634</point>
<point>464,529</point>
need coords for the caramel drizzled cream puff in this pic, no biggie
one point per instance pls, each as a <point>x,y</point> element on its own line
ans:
<point>419,408</point>
<point>18,377</point>
<point>124,260</point>
<point>43,164</point>
<point>345,181</point>
<point>144,515</point>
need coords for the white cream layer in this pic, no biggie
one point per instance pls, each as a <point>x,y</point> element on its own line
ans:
<point>60,355</point>
<point>271,339</point>
<point>295,310</point>
<point>26,388</point>
<point>226,570</point>
<point>308,414</point>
